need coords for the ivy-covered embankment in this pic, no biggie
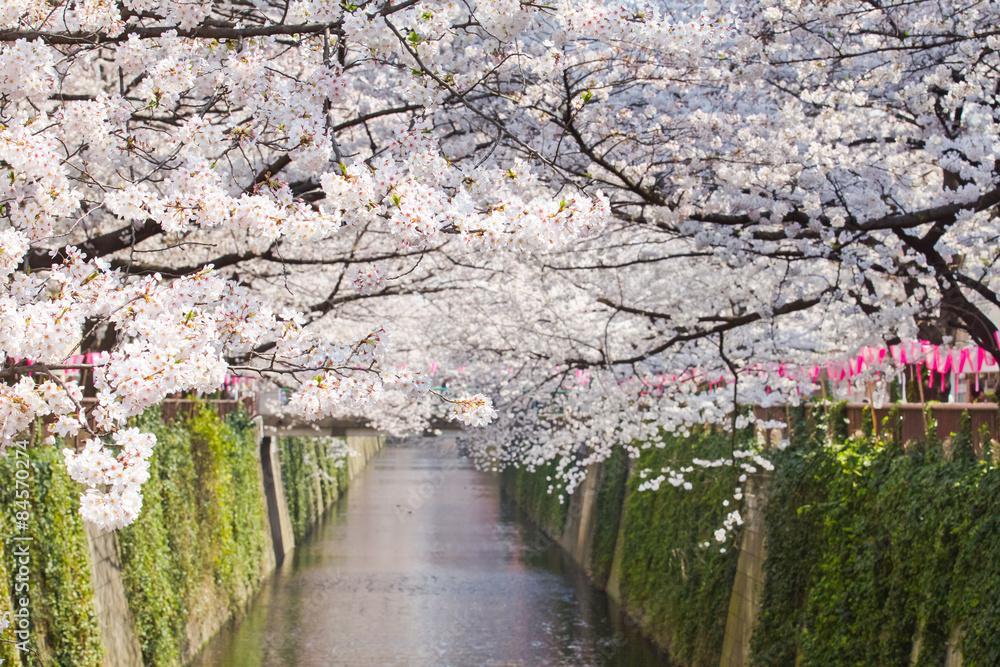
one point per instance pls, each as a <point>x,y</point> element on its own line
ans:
<point>199,550</point>
<point>651,542</point>
<point>201,546</point>
<point>878,552</point>
<point>314,478</point>
<point>52,546</point>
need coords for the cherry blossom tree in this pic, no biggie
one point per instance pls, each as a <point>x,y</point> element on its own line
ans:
<point>846,159</point>
<point>195,188</point>
<point>822,181</point>
<point>615,218</point>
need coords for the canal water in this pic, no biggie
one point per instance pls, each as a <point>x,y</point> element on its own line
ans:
<point>423,563</point>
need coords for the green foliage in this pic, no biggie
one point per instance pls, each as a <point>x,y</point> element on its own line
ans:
<point>248,513</point>
<point>836,422</point>
<point>199,547</point>
<point>871,547</point>
<point>233,521</point>
<point>66,611</point>
<point>679,589</point>
<point>962,444</point>
<point>311,479</point>
<point>790,515</point>
<point>343,476</point>
<point>299,475</point>
<point>333,479</point>
<point>200,542</point>
<point>610,497</point>
<point>154,582</point>
<point>539,494</point>
<point>63,620</point>
<point>7,651</point>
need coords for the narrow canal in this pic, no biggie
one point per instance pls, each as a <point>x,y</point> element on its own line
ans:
<point>423,563</point>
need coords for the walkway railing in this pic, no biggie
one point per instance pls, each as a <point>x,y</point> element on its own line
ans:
<point>985,419</point>
<point>174,408</point>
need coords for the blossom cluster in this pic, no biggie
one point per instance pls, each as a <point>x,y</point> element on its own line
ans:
<point>271,150</point>
<point>369,279</point>
<point>476,410</point>
<point>407,381</point>
<point>122,476</point>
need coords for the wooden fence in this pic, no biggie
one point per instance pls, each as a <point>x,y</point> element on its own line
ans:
<point>985,419</point>
<point>174,408</point>
<point>185,407</point>
<point>947,416</point>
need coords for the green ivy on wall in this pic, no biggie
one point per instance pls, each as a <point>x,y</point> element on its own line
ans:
<point>531,493</point>
<point>200,545</point>
<point>876,553</point>
<point>198,551</point>
<point>677,587</point>
<point>312,480</point>
<point>610,497</point>
<point>63,620</point>
<point>66,612</point>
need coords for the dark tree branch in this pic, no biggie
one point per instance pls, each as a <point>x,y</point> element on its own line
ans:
<point>218,32</point>
<point>725,324</point>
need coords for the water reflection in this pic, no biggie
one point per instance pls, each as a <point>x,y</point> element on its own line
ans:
<point>423,564</point>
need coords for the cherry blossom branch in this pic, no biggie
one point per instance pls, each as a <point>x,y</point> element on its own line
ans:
<point>726,324</point>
